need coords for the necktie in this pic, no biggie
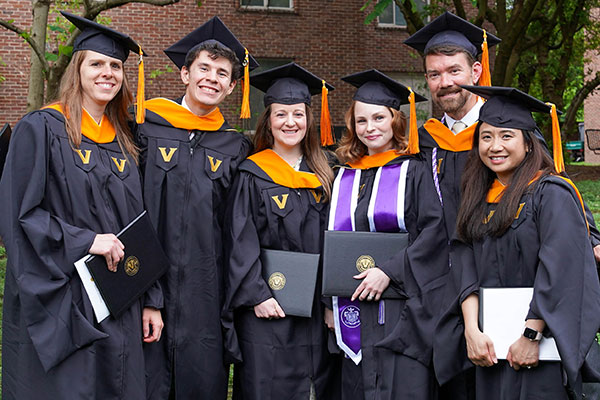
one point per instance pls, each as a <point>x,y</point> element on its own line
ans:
<point>458,127</point>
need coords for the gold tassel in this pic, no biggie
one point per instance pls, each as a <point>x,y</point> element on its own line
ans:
<point>140,113</point>
<point>486,78</point>
<point>559,162</point>
<point>413,131</point>
<point>245,114</point>
<point>326,136</point>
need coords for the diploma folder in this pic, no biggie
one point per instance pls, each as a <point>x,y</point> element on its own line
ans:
<point>348,253</point>
<point>292,278</point>
<point>502,314</point>
<point>144,262</point>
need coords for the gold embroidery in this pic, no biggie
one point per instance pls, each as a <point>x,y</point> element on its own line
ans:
<point>519,210</point>
<point>487,219</point>
<point>119,163</point>
<point>439,166</point>
<point>214,166</point>
<point>85,159</point>
<point>316,195</point>
<point>167,156</point>
<point>281,203</point>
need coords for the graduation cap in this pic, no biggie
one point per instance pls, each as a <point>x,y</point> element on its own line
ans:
<point>377,88</point>
<point>449,29</point>
<point>511,108</point>
<point>292,84</point>
<point>215,31</point>
<point>111,43</point>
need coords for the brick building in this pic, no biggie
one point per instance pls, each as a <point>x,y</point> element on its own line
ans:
<point>328,37</point>
<point>591,105</point>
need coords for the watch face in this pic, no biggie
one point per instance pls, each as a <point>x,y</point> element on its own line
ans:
<point>530,334</point>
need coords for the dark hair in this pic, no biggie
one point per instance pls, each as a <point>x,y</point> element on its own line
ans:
<point>448,50</point>
<point>70,97</point>
<point>351,148</point>
<point>311,146</point>
<point>215,50</point>
<point>477,179</point>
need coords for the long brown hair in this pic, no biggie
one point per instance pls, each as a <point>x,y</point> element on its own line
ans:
<point>477,179</point>
<point>351,148</point>
<point>311,146</point>
<point>70,97</point>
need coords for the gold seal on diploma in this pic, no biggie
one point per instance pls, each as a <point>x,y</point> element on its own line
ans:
<point>277,281</point>
<point>364,262</point>
<point>132,265</point>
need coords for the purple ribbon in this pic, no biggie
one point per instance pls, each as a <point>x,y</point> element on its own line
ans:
<point>343,212</point>
<point>349,322</point>
<point>385,216</point>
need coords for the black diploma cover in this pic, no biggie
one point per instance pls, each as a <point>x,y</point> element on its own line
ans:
<point>144,262</point>
<point>292,278</point>
<point>348,253</point>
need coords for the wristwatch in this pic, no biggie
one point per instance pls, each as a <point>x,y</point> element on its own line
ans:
<point>532,334</point>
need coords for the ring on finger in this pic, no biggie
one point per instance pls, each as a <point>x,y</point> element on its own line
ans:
<point>370,297</point>
<point>528,367</point>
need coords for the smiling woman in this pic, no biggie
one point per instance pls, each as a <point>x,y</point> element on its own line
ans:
<point>70,182</point>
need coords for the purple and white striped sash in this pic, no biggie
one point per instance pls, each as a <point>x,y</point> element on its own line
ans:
<point>385,214</point>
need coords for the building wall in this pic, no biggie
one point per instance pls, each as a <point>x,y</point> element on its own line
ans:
<point>328,37</point>
<point>591,114</point>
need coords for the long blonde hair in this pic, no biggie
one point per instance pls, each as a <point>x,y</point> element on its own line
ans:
<point>70,97</point>
<point>351,148</point>
<point>311,146</point>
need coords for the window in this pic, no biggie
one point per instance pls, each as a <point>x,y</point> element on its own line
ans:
<point>285,4</point>
<point>256,96</point>
<point>418,84</point>
<point>392,16</point>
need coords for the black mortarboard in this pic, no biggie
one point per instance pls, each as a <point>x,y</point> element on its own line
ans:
<point>213,30</point>
<point>292,84</point>
<point>450,29</point>
<point>101,39</point>
<point>375,87</point>
<point>507,107</point>
<point>288,84</point>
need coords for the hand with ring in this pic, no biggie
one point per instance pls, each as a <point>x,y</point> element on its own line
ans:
<point>374,282</point>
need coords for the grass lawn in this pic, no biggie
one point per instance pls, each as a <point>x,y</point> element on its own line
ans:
<point>590,190</point>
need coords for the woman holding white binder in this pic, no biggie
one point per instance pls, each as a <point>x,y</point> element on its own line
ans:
<point>521,224</point>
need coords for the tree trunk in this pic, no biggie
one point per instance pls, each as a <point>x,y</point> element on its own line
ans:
<point>35,95</point>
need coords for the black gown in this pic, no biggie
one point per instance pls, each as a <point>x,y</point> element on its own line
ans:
<point>397,355</point>
<point>54,200</point>
<point>279,358</point>
<point>547,247</point>
<point>186,182</point>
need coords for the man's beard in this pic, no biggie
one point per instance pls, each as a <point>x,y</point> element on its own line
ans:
<point>452,105</point>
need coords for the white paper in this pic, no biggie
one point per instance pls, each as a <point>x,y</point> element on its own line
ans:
<point>98,304</point>
<point>504,311</point>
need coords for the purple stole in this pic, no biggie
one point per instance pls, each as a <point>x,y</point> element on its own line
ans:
<point>385,214</point>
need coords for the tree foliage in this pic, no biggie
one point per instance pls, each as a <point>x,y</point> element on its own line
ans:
<point>543,47</point>
<point>48,67</point>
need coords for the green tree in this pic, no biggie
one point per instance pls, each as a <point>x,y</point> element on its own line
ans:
<point>47,68</point>
<point>543,44</point>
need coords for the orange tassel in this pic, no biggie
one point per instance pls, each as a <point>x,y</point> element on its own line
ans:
<point>245,114</point>
<point>140,113</point>
<point>486,78</point>
<point>326,136</point>
<point>413,131</point>
<point>559,162</point>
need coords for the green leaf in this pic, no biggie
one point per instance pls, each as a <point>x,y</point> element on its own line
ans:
<point>65,50</point>
<point>364,7</point>
<point>379,7</point>
<point>199,3</point>
<point>57,28</point>
<point>51,56</point>
<point>25,35</point>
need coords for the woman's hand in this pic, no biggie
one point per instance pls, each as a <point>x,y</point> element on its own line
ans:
<point>269,308</point>
<point>480,348</point>
<point>329,319</point>
<point>523,353</point>
<point>152,320</point>
<point>109,246</point>
<point>374,282</point>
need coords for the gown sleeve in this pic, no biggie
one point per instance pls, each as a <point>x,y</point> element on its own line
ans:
<point>42,248</point>
<point>566,288</point>
<point>244,284</point>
